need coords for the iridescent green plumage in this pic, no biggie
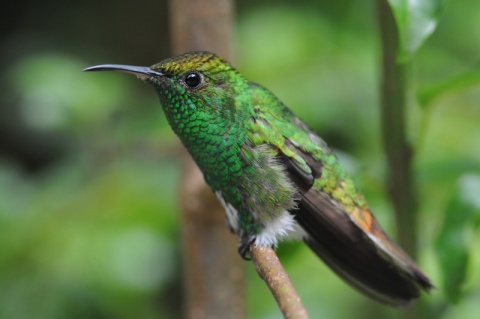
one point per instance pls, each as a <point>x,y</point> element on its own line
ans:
<point>227,129</point>
<point>274,175</point>
<point>223,113</point>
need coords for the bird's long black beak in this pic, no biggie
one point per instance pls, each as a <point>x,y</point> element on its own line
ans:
<point>140,71</point>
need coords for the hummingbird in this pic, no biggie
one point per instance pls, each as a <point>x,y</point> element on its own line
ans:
<point>273,174</point>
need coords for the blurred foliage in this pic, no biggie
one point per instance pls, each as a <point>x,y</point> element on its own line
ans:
<point>88,165</point>
<point>416,21</point>
<point>456,239</point>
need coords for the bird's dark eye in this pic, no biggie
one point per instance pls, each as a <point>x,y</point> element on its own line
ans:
<point>193,80</point>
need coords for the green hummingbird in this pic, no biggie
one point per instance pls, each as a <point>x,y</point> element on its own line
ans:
<point>275,177</point>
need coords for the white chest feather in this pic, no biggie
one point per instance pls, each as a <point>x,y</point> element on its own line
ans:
<point>230,211</point>
<point>283,226</point>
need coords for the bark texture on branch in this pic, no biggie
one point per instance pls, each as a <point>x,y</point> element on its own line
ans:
<point>272,272</point>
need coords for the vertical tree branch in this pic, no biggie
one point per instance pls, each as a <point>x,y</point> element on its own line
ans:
<point>398,151</point>
<point>214,272</point>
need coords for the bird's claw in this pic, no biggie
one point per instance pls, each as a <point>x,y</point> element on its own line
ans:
<point>245,247</point>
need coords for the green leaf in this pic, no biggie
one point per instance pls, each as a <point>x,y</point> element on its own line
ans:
<point>453,244</point>
<point>416,20</point>
<point>427,94</point>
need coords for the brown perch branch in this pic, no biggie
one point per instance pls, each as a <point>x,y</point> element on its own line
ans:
<point>272,272</point>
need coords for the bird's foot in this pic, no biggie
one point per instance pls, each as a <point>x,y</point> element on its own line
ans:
<point>244,246</point>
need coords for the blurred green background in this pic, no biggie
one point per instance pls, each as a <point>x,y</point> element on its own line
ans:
<point>89,167</point>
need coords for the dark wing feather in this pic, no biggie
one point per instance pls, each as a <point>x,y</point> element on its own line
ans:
<point>348,250</point>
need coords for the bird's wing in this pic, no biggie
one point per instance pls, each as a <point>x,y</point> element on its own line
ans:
<point>341,229</point>
<point>354,245</point>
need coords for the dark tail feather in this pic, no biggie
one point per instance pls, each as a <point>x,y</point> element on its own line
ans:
<point>347,250</point>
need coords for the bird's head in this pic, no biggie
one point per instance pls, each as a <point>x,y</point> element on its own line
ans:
<point>197,79</point>
<point>199,92</point>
